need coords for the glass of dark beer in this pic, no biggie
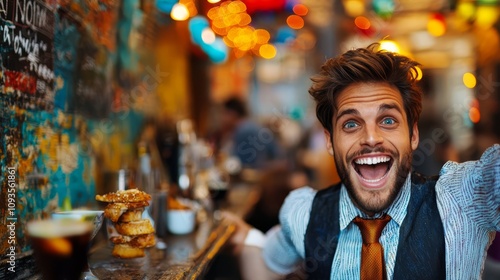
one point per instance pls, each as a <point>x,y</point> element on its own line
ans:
<point>95,217</point>
<point>60,247</point>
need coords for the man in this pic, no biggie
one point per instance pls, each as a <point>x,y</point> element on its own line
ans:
<point>430,228</point>
<point>253,144</point>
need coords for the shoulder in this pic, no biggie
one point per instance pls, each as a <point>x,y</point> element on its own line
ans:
<point>294,217</point>
<point>297,207</point>
<point>298,200</point>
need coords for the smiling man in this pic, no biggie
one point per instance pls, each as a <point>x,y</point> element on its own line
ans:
<point>382,221</point>
<point>373,144</point>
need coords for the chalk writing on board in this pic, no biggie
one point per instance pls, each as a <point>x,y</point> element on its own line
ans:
<point>27,32</point>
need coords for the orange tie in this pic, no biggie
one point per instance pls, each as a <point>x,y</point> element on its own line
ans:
<point>372,253</point>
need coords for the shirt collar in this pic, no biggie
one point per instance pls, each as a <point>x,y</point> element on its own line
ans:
<point>397,210</point>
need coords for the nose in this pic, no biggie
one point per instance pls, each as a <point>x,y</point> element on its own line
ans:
<point>372,135</point>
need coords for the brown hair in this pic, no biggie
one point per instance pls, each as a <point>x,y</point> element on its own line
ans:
<point>365,65</point>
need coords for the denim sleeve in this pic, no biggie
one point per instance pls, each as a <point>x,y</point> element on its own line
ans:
<point>475,187</point>
<point>284,247</point>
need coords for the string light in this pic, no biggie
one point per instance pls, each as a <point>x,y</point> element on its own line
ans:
<point>231,21</point>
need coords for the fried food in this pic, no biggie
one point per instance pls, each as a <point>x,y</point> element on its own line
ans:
<point>115,210</point>
<point>126,251</point>
<point>125,210</point>
<point>131,215</point>
<point>135,228</point>
<point>138,241</point>
<point>124,196</point>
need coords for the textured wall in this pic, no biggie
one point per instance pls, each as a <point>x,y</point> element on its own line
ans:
<point>57,67</point>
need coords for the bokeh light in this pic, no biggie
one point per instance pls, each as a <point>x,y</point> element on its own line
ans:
<point>486,16</point>
<point>300,10</point>
<point>362,22</point>
<point>466,10</point>
<point>179,12</point>
<point>267,51</point>
<point>469,80</point>
<point>231,21</point>
<point>436,26</point>
<point>390,46</point>
<point>165,6</point>
<point>384,8</point>
<point>474,115</point>
<point>191,6</point>
<point>295,22</point>
<point>208,36</point>
<point>354,8</point>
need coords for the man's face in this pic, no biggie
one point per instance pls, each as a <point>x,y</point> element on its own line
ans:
<point>371,144</point>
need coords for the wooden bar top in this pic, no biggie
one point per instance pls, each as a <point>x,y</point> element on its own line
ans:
<point>184,256</point>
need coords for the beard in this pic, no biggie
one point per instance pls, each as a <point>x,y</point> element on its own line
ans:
<point>376,203</point>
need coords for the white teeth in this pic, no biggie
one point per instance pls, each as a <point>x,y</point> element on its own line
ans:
<point>373,181</point>
<point>372,160</point>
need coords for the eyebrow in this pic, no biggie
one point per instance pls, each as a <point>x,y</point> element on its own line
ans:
<point>386,107</point>
<point>347,112</point>
<point>381,108</point>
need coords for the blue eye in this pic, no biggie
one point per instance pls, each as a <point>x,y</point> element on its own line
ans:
<point>350,124</point>
<point>388,121</point>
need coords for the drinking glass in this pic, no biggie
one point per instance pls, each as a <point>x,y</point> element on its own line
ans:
<point>218,184</point>
<point>60,247</point>
<point>94,218</point>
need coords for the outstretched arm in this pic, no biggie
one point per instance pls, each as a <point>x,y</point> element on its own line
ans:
<point>252,265</point>
<point>475,187</point>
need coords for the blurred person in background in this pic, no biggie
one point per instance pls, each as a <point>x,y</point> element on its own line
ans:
<point>382,221</point>
<point>254,145</point>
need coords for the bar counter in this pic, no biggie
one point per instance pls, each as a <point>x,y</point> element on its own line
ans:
<point>184,256</point>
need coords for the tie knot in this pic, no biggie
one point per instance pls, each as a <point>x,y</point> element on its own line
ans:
<point>371,229</point>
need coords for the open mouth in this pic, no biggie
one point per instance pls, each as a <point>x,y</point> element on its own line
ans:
<point>373,169</point>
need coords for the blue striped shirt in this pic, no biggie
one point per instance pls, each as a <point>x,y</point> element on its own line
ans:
<point>468,198</point>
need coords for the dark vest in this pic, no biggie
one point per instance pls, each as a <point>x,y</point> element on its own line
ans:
<point>421,247</point>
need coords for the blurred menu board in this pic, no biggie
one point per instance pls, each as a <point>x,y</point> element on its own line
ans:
<point>26,53</point>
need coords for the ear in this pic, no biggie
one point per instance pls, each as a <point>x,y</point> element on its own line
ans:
<point>328,141</point>
<point>415,138</point>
